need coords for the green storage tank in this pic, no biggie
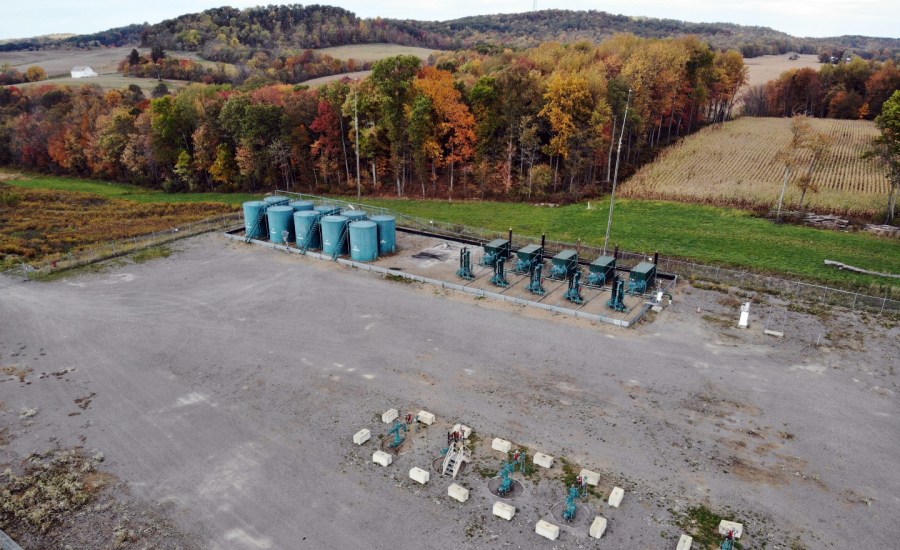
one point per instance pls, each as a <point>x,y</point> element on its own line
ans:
<point>644,271</point>
<point>255,220</point>
<point>354,215</point>
<point>299,206</point>
<point>332,231</point>
<point>305,228</point>
<point>328,209</point>
<point>387,233</point>
<point>276,200</point>
<point>601,270</point>
<point>281,220</point>
<point>363,241</point>
<point>564,264</point>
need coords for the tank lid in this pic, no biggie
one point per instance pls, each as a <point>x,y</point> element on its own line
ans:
<point>255,203</point>
<point>328,207</point>
<point>280,209</point>
<point>362,224</point>
<point>383,218</point>
<point>334,219</point>
<point>307,214</point>
<point>302,202</point>
<point>276,198</point>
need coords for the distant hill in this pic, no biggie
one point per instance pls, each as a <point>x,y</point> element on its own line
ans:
<point>231,35</point>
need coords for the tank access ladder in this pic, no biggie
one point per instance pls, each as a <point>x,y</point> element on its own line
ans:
<point>308,238</point>
<point>453,461</point>
<point>259,218</point>
<point>345,234</point>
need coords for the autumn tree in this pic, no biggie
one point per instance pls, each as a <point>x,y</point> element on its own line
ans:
<point>393,79</point>
<point>886,148</point>
<point>35,74</point>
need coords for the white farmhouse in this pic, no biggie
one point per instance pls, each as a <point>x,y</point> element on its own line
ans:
<point>82,72</point>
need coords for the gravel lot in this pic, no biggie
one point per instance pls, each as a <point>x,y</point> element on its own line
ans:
<point>224,383</point>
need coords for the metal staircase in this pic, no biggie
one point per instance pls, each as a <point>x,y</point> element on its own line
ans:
<point>453,460</point>
<point>308,238</point>
<point>345,234</point>
<point>256,225</point>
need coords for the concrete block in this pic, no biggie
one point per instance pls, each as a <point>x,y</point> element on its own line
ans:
<point>463,429</point>
<point>591,478</point>
<point>546,530</point>
<point>685,542</point>
<point>775,333</point>
<point>501,445</point>
<point>389,416</point>
<point>744,321</point>
<point>504,510</point>
<point>725,526</point>
<point>615,497</point>
<point>458,492</point>
<point>656,309</point>
<point>598,527</point>
<point>362,436</point>
<point>420,475</point>
<point>381,457</point>
<point>542,460</point>
<point>425,417</point>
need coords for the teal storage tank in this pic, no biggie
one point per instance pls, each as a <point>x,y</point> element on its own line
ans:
<point>302,205</point>
<point>354,215</point>
<point>328,209</point>
<point>363,241</point>
<point>276,200</point>
<point>332,230</point>
<point>255,220</point>
<point>387,233</point>
<point>281,219</point>
<point>305,228</point>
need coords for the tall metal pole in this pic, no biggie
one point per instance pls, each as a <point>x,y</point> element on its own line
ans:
<point>612,196</point>
<point>356,123</point>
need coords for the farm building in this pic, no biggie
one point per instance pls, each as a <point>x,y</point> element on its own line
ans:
<point>83,72</point>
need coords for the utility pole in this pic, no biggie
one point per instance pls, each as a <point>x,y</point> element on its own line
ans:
<point>612,196</point>
<point>356,124</point>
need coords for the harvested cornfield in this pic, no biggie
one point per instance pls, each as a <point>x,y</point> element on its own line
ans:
<point>736,164</point>
<point>43,223</point>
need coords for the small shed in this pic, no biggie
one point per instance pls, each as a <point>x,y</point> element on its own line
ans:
<point>83,72</point>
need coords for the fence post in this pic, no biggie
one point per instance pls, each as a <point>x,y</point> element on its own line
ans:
<point>883,303</point>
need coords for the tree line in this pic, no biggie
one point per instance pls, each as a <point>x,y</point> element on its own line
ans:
<point>514,125</point>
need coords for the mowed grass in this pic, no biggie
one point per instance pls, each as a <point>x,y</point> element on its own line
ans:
<point>706,234</point>
<point>110,82</point>
<point>374,52</point>
<point>735,164</point>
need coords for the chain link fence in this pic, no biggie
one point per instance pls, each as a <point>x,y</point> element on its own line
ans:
<point>786,288</point>
<point>120,247</point>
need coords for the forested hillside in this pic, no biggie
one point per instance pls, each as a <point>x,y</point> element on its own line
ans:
<point>529,124</point>
<point>231,35</point>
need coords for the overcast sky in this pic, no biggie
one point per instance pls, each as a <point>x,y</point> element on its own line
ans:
<point>797,17</point>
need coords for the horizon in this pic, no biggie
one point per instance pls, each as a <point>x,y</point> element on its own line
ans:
<point>804,14</point>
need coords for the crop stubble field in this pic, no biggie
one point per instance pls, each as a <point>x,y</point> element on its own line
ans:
<point>736,164</point>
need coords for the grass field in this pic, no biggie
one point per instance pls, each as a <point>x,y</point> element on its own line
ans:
<point>735,165</point>
<point>707,234</point>
<point>323,80</point>
<point>768,67</point>
<point>60,62</point>
<point>374,52</point>
<point>110,82</point>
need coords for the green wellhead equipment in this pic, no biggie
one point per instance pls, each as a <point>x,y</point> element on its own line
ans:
<point>617,300</point>
<point>465,264</point>
<point>601,270</point>
<point>564,265</point>
<point>495,251</point>
<point>642,277</point>
<point>528,256</point>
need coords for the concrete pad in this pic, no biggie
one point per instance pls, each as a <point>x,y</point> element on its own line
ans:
<point>725,526</point>
<point>463,429</point>
<point>591,478</point>
<point>685,542</point>
<point>501,445</point>
<point>598,527</point>
<point>542,460</point>
<point>458,492</point>
<point>615,497</point>
<point>389,416</point>
<point>381,457</point>
<point>546,530</point>
<point>425,417</point>
<point>362,436</point>
<point>420,475</point>
<point>504,510</point>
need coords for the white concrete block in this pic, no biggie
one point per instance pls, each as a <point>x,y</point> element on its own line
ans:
<point>420,475</point>
<point>598,527</point>
<point>775,333</point>
<point>656,309</point>
<point>501,445</point>
<point>463,429</point>
<point>685,542</point>
<point>542,460</point>
<point>458,492</point>
<point>591,478</point>
<point>615,497</point>
<point>504,510</point>
<point>362,436</point>
<point>425,417</point>
<point>389,416</point>
<point>725,526</point>
<point>381,457</point>
<point>546,530</point>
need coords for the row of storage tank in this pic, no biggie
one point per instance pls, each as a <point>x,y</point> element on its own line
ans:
<point>326,227</point>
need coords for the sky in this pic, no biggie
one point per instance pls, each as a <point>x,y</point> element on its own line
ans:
<point>797,17</point>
